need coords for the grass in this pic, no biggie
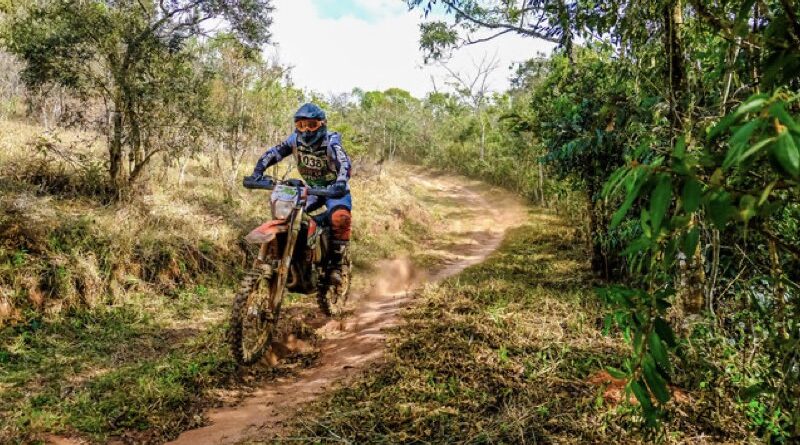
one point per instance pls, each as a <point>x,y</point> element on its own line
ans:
<point>112,317</point>
<point>505,352</point>
<point>106,371</point>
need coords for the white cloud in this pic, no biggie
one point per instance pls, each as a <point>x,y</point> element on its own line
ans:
<point>335,55</point>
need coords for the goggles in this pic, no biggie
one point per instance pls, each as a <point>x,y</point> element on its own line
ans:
<point>308,124</point>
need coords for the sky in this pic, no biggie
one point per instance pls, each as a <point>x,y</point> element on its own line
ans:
<point>336,45</point>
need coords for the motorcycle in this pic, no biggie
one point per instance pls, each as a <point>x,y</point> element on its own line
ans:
<point>291,257</point>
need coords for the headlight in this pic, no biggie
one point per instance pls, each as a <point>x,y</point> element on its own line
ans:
<point>282,209</point>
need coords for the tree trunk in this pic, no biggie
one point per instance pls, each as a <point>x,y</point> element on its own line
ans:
<point>182,175</point>
<point>483,134</point>
<point>541,184</point>
<point>691,292</point>
<point>237,154</point>
<point>673,21</point>
<point>598,261</point>
<point>115,152</point>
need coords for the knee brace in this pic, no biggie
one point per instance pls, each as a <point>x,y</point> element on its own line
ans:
<point>340,224</point>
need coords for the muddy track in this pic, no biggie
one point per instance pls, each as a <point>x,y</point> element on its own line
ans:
<point>475,218</point>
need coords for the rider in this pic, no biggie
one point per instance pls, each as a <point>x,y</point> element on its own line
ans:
<point>322,162</point>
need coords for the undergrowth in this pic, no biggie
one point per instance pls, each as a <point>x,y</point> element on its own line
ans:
<point>509,351</point>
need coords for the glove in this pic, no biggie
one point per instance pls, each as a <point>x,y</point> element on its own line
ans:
<point>248,181</point>
<point>338,189</point>
<point>257,182</point>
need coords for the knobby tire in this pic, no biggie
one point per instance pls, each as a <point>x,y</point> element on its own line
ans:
<point>236,334</point>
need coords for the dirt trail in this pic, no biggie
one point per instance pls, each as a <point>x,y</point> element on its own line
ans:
<point>474,221</point>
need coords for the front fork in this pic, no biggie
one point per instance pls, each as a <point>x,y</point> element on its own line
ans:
<point>285,262</point>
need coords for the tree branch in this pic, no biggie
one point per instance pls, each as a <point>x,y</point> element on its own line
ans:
<point>794,30</point>
<point>787,247</point>
<point>726,29</point>
<point>490,25</point>
<point>486,39</point>
<point>137,170</point>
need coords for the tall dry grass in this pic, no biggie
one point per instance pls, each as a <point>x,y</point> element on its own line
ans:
<point>64,245</point>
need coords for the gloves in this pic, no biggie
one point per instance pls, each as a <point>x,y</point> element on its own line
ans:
<point>338,189</point>
<point>258,182</point>
<point>249,181</point>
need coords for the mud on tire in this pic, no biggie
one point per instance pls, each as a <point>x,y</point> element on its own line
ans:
<point>240,331</point>
<point>332,301</point>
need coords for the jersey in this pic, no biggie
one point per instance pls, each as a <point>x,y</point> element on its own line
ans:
<point>319,166</point>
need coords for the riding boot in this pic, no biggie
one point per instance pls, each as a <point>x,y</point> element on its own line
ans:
<point>336,261</point>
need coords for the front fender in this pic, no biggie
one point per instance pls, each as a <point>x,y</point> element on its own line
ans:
<point>267,232</point>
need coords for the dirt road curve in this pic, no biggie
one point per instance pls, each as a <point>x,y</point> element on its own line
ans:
<point>474,221</point>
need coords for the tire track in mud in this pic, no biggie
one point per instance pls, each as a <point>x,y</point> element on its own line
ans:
<point>475,220</point>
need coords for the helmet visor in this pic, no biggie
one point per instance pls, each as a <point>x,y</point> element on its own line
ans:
<point>308,124</point>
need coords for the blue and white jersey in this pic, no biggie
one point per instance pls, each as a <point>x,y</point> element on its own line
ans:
<point>319,166</point>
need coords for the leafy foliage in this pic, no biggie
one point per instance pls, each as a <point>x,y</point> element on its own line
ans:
<point>678,123</point>
<point>135,56</point>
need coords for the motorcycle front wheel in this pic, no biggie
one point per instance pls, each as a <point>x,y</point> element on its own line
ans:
<point>254,316</point>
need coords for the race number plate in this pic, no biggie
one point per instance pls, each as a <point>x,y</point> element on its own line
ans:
<point>284,193</point>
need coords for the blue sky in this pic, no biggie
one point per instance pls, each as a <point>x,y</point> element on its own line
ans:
<point>360,9</point>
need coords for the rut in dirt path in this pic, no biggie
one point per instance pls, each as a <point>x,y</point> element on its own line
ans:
<point>475,220</point>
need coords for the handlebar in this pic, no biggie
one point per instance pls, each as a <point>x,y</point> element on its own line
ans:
<point>269,183</point>
<point>262,183</point>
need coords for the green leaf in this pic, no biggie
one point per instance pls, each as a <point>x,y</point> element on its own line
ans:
<point>637,246</point>
<point>680,148</point>
<point>662,303</point>
<point>615,179</point>
<point>637,341</point>
<point>616,373</point>
<point>670,249</point>
<point>757,147</point>
<point>747,207</point>
<point>753,103</point>
<point>659,201</point>
<point>778,110</point>
<point>635,183</point>
<point>720,208</point>
<point>637,386</point>
<point>737,142</point>
<point>723,125</point>
<point>658,351</point>
<point>753,391</point>
<point>644,219</point>
<point>692,192</point>
<point>690,241</point>
<point>665,332</point>
<point>656,383</point>
<point>767,191</point>
<point>786,154</point>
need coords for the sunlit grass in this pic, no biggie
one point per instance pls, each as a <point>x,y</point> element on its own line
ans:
<point>502,353</point>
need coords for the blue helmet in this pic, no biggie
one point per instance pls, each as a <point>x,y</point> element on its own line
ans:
<point>311,111</point>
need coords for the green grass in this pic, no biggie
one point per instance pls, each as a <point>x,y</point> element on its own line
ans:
<point>104,372</point>
<point>502,353</point>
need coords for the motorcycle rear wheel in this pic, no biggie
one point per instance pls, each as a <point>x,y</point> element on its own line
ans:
<point>254,316</point>
<point>332,300</point>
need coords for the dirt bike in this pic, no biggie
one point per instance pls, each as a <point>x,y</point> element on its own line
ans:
<point>291,258</point>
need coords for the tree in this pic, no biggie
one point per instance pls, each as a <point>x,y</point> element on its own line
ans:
<point>10,84</point>
<point>131,55</point>
<point>474,87</point>
<point>248,104</point>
